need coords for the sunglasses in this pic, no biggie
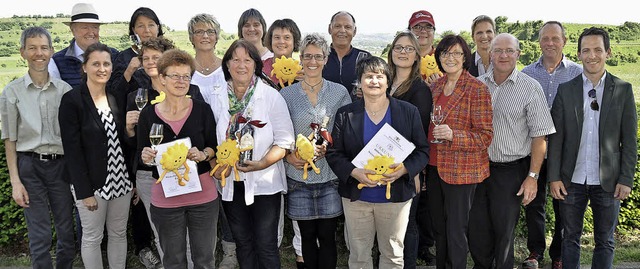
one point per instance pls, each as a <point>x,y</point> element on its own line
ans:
<point>594,102</point>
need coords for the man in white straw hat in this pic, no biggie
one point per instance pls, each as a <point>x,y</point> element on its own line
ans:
<point>85,27</point>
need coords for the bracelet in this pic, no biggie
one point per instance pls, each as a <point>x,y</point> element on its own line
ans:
<point>206,155</point>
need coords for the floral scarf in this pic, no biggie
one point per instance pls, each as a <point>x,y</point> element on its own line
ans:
<point>236,105</point>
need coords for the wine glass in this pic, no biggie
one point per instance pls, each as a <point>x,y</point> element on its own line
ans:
<point>141,98</point>
<point>135,43</point>
<point>436,118</point>
<point>155,136</point>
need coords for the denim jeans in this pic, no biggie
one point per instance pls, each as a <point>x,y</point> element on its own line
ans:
<point>605,210</point>
<point>254,228</point>
<point>172,225</point>
<point>49,194</point>
<point>313,201</point>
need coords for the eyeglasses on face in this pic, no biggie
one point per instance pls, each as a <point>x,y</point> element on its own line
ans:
<point>594,102</point>
<point>509,52</point>
<point>419,28</point>
<point>177,77</point>
<point>309,56</point>
<point>454,54</point>
<point>407,49</point>
<point>200,32</point>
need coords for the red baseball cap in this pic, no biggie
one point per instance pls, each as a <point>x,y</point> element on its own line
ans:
<point>421,16</point>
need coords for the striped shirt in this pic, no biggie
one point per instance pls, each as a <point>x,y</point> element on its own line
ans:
<point>331,97</point>
<point>519,114</point>
<point>565,71</point>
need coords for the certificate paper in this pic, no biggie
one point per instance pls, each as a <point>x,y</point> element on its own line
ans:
<point>170,181</point>
<point>386,142</point>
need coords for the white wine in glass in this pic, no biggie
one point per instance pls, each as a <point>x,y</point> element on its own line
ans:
<point>141,98</point>
<point>155,136</point>
<point>436,118</point>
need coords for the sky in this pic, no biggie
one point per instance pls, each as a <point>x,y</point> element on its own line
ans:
<point>371,16</point>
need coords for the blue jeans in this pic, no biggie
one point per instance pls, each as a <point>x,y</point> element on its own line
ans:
<point>605,210</point>
<point>49,194</point>
<point>172,225</point>
<point>254,228</point>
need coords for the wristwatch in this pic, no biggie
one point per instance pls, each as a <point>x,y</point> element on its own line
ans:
<point>534,175</point>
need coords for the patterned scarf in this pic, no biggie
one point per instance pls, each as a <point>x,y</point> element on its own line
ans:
<point>236,105</point>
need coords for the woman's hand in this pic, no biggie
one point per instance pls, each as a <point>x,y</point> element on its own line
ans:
<point>321,150</point>
<point>196,155</point>
<point>91,203</point>
<point>393,176</point>
<point>136,197</point>
<point>131,122</point>
<point>292,159</point>
<point>218,174</point>
<point>134,65</point>
<point>443,132</point>
<point>250,166</point>
<point>360,175</point>
<point>148,155</point>
<point>432,79</point>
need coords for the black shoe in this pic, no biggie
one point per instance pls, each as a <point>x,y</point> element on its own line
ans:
<point>532,261</point>
<point>300,265</point>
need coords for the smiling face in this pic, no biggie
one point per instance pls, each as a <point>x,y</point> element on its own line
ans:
<point>150,61</point>
<point>342,30</point>
<point>311,66</point>
<point>85,34</point>
<point>98,67</point>
<point>282,42</point>
<point>252,31</point>
<point>228,152</point>
<point>593,55</point>
<point>37,53</point>
<point>425,34</point>
<point>374,84</point>
<point>504,54</point>
<point>175,84</point>
<point>241,66</point>
<point>206,41</point>
<point>145,28</point>
<point>552,41</point>
<point>404,59</point>
<point>451,63</point>
<point>482,35</point>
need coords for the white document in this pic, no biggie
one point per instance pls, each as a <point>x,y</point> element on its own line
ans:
<point>169,183</point>
<point>386,142</point>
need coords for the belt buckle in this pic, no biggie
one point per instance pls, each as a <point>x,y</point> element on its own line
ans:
<point>52,157</point>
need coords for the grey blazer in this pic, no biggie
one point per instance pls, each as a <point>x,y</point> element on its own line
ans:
<point>617,132</point>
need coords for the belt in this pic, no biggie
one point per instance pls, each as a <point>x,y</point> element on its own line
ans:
<point>43,156</point>
<point>511,163</point>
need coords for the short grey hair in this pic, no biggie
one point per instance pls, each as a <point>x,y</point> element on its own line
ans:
<point>206,19</point>
<point>317,40</point>
<point>34,31</point>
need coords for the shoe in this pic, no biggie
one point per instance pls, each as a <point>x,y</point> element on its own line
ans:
<point>532,261</point>
<point>229,259</point>
<point>557,264</point>
<point>149,259</point>
<point>428,257</point>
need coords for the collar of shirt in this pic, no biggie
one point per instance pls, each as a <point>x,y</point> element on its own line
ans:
<point>78,51</point>
<point>28,81</point>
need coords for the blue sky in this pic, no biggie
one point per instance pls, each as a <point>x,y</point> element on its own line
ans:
<point>371,16</point>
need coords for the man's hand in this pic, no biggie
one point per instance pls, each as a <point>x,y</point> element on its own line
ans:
<point>558,191</point>
<point>20,195</point>
<point>91,203</point>
<point>622,192</point>
<point>529,188</point>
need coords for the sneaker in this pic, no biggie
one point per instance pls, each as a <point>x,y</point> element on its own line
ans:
<point>149,259</point>
<point>556,264</point>
<point>532,261</point>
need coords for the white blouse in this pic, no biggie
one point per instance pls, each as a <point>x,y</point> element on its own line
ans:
<point>266,105</point>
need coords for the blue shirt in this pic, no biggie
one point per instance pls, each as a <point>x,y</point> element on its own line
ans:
<point>564,72</point>
<point>587,168</point>
<point>343,71</point>
<point>375,194</point>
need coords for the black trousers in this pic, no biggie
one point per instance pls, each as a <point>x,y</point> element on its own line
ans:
<point>319,242</point>
<point>494,215</point>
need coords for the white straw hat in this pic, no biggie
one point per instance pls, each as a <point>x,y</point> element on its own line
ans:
<point>84,12</point>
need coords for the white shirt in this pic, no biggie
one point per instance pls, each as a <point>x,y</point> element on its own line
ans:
<point>267,105</point>
<point>208,83</point>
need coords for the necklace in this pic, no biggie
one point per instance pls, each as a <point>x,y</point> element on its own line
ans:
<point>312,86</point>
<point>374,113</point>
<point>205,69</point>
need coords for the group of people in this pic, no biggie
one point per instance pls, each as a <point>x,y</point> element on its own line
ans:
<point>74,131</point>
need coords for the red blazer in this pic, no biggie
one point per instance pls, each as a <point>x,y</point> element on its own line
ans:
<point>469,114</point>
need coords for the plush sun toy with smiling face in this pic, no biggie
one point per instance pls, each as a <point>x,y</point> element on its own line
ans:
<point>380,165</point>
<point>285,69</point>
<point>306,150</point>
<point>228,154</point>
<point>172,159</point>
<point>428,66</point>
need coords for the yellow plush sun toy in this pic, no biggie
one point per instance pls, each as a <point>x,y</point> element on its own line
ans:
<point>380,165</point>
<point>306,151</point>
<point>174,158</point>
<point>428,66</point>
<point>285,69</point>
<point>228,153</point>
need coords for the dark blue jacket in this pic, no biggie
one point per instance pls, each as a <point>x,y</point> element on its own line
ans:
<point>70,67</point>
<point>343,72</point>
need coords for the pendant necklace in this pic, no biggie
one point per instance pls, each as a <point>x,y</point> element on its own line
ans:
<point>312,86</point>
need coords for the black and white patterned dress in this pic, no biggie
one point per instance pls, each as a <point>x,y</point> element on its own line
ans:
<point>117,183</point>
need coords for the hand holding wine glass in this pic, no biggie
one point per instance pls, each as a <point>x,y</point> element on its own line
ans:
<point>436,118</point>
<point>155,136</point>
<point>135,43</point>
<point>141,98</point>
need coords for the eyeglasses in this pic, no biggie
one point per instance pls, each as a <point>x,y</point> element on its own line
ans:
<point>177,77</point>
<point>407,49</point>
<point>419,28</point>
<point>454,54</point>
<point>509,52</point>
<point>200,33</point>
<point>308,57</point>
<point>594,102</point>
